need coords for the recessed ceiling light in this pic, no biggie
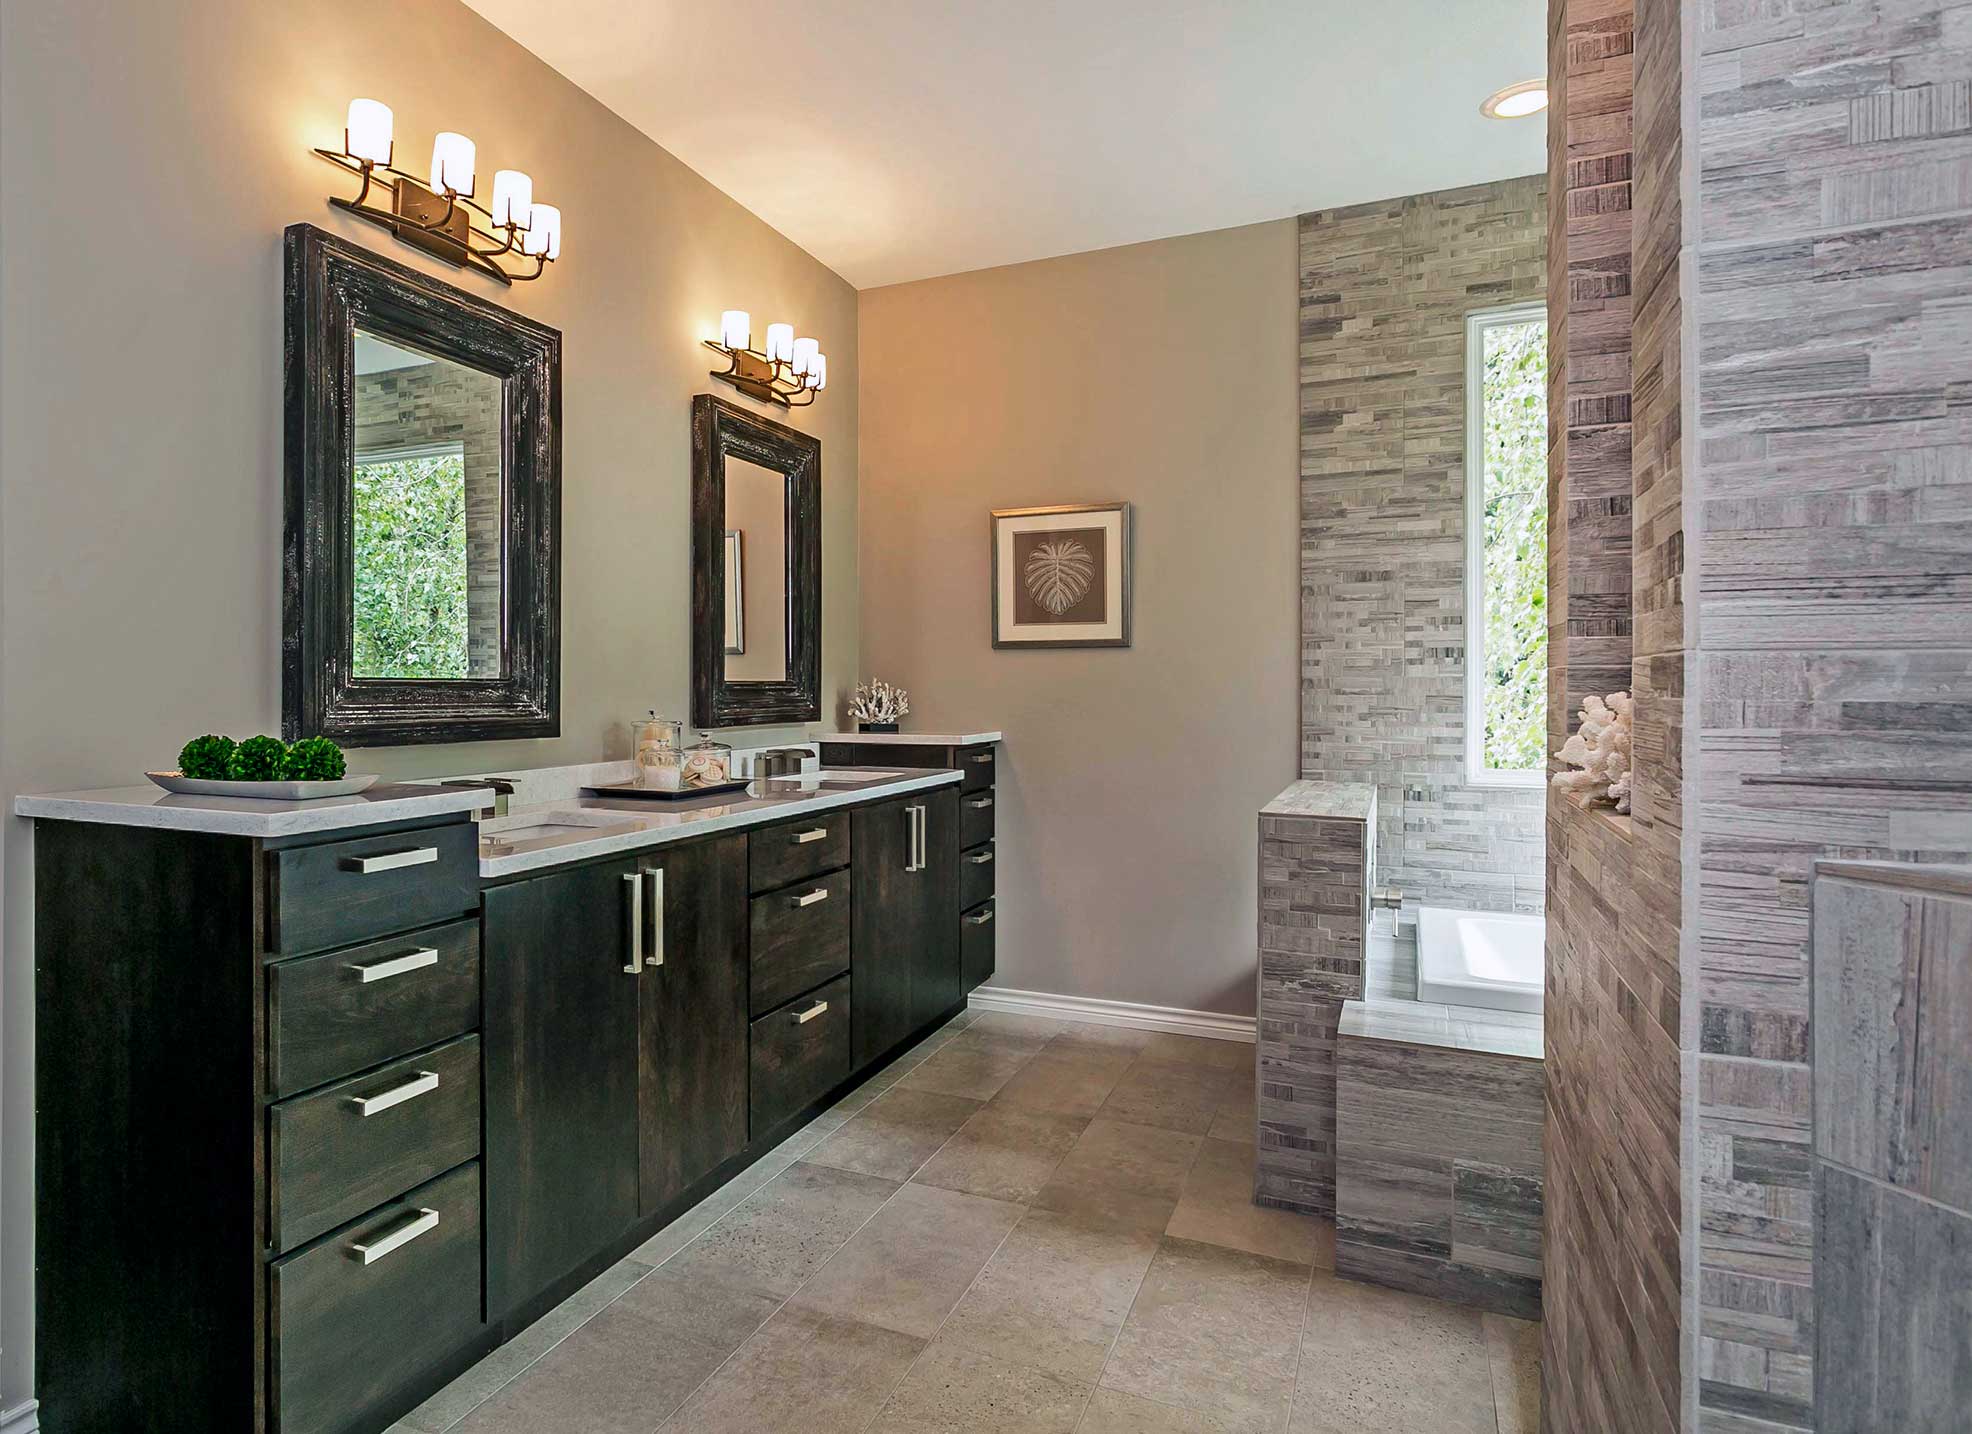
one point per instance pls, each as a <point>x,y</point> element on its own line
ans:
<point>1529,97</point>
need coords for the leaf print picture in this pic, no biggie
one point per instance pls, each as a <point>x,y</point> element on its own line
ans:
<point>1061,576</point>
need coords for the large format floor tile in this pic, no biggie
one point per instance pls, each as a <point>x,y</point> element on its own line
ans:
<point>1216,1207</point>
<point>802,1373</point>
<point>1377,1361</point>
<point>1213,1330</point>
<point>910,1264</point>
<point>1172,1096</point>
<point>895,1134</point>
<point>951,1390</point>
<point>1123,1174</point>
<point>775,1239</point>
<point>975,1065</point>
<point>1055,1294</point>
<point>1066,1080</point>
<point>1111,1411</point>
<point>1513,1347</point>
<point>1003,1153</point>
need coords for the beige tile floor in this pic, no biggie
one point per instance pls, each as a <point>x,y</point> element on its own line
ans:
<point>1021,1224</point>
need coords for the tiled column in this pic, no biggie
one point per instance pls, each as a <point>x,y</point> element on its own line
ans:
<point>1317,859</point>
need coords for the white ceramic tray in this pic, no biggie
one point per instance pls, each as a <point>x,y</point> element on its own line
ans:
<point>263,791</point>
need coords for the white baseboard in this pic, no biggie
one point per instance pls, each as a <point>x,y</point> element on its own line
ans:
<point>1114,1013</point>
<point>21,1419</point>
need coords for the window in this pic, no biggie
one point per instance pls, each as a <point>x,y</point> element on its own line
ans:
<point>411,605</point>
<point>1506,546</point>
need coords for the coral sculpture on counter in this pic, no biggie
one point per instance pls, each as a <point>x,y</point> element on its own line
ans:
<point>879,704</point>
<point>1600,748</point>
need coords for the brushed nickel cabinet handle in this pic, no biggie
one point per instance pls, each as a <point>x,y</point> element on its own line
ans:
<point>983,758</point>
<point>634,882</point>
<point>923,855</point>
<point>979,804</point>
<point>422,1223</point>
<point>820,893</point>
<point>803,838</point>
<point>981,858</point>
<point>802,1018</point>
<point>383,970</point>
<point>390,860</point>
<point>910,839</point>
<point>423,1083</point>
<point>654,925</point>
<point>982,918</point>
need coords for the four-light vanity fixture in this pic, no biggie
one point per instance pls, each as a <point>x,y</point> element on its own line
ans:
<point>790,372</point>
<point>439,218</point>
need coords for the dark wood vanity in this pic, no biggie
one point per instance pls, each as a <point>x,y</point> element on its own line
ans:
<point>325,1117</point>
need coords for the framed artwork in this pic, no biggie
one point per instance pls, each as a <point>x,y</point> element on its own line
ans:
<point>735,596</point>
<point>1061,576</point>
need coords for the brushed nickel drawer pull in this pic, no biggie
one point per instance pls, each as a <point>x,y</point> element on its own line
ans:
<point>368,971</point>
<point>982,918</point>
<point>979,804</point>
<point>390,860</point>
<point>655,923</point>
<point>802,1018</point>
<point>423,1083</point>
<point>803,838</point>
<point>983,758</point>
<point>423,1223</point>
<point>980,858</point>
<point>634,880</point>
<point>820,893</point>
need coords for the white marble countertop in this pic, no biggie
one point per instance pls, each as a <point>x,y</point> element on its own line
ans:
<point>1478,1029</point>
<point>1346,801</point>
<point>149,806</point>
<point>597,826</point>
<point>912,739</point>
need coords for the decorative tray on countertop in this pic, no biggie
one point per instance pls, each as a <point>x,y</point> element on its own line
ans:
<point>651,794</point>
<point>263,791</point>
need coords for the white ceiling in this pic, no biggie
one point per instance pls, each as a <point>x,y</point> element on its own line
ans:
<point>898,139</point>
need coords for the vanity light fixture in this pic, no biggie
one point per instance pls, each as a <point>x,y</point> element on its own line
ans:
<point>442,217</point>
<point>1529,97</point>
<point>790,372</point>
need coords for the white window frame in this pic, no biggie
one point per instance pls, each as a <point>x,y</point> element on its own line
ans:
<point>1477,774</point>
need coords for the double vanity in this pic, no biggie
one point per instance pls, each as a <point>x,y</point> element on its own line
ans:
<point>334,1097</point>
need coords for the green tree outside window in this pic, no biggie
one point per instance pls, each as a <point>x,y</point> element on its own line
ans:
<point>410,566</point>
<point>1513,650</point>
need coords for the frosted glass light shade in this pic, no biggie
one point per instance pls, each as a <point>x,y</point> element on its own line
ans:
<point>368,129</point>
<point>804,354</point>
<point>452,158</point>
<point>736,329</point>
<point>780,342</point>
<point>1529,97</point>
<point>543,236</point>
<point>513,198</point>
<point>818,371</point>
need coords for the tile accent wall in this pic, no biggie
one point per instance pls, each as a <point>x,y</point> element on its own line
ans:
<point>1834,275</point>
<point>1384,291</point>
<point>1613,1353</point>
<point>1315,870</point>
<point>1438,1179</point>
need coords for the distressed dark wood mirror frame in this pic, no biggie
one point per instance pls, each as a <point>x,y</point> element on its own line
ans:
<point>721,429</point>
<point>332,288</point>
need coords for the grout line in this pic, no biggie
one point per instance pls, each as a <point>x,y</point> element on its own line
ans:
<point>1301,1344</point>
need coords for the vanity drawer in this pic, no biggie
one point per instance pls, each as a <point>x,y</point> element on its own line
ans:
<point>793,851</point>
<point>337,892</point>
<point>977,763</point>
<point>800,938</point>
<point>348,1335</point>
<point>975,818</point>
<point>976,945</point>
<point>347,1010</point>
<point>341,1150</point>
<point>975,876</point>
<point>799,1054</point>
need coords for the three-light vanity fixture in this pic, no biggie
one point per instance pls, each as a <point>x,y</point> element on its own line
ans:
<point>790,371</point>
<point>439,217</point>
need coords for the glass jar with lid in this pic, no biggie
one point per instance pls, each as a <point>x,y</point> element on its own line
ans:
<point>709,763</point>
<point>657,743</point>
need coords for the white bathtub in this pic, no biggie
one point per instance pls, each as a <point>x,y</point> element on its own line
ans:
<point>1480,958</point>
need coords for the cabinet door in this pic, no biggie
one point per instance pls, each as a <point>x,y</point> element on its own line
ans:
<point>560,1043</point>
<point>886,918</point>
<point>692,1014</point>
<point>937,982</point>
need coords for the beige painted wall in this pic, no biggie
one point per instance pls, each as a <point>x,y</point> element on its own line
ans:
<point>150,156</point>
<point>1162,374</point>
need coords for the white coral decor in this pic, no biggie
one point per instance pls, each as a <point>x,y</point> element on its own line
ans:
<point>879,702</point>
<point>1601,749</point>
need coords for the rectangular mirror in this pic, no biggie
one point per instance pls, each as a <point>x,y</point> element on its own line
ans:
<point>756,568</point>
<point>423,564</point>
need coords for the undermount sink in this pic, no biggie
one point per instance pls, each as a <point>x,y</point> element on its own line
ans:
<point>539,826</point>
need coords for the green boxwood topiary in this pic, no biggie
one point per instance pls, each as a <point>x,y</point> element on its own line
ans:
<point>258,759</point>
<point>314,759</point>
<point>206,757</point>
